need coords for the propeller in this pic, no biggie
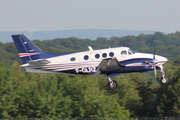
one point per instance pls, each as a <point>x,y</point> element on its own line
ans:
<point>154,63</point>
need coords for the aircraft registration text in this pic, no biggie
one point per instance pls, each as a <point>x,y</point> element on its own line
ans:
<point>86,69</point>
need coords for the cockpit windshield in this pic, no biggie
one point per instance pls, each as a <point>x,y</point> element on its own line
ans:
<point>132,51</point>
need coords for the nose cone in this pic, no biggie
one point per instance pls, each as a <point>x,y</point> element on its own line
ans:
<point>161,59</point>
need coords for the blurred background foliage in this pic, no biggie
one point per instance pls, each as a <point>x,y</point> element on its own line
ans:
<point>31,95</point>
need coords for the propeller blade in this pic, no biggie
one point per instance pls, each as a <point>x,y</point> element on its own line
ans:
<point>154,53</point>
<point>155,71</point>
<point>154,63</point>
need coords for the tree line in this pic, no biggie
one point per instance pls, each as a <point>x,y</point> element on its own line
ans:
<point>166,45</point>
<point>31,95</point>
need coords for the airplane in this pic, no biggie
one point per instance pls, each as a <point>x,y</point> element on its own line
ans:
<point>110,62</point>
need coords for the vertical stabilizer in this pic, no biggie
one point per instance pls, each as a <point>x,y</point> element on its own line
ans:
<point>26,49</point>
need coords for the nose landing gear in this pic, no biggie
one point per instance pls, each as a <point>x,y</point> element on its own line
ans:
<point>163,79</point>
<point>112,84</point>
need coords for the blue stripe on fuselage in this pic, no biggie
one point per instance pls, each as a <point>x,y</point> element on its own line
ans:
<point>136,60</point>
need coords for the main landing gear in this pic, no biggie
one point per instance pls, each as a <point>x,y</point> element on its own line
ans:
<point>112,84</point>
<point>163,79</point>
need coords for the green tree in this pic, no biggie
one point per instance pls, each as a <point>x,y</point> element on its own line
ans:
<point>31,95</point>
<point>169,97</point>
<point>89,101</point>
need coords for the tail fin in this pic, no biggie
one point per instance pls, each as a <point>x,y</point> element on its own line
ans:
<point>27,50</point>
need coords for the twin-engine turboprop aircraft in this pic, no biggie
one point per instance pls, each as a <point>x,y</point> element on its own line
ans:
<point>111,61</point>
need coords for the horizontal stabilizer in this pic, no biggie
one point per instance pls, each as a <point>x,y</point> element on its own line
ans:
<point>39,62</point>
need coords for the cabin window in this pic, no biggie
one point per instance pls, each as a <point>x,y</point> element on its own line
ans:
<point>86,57</point>
<point>111,54</point>
<point>104,55</point>
<point>97,56</point>
<point>73,59</point>
<point>124,52</point>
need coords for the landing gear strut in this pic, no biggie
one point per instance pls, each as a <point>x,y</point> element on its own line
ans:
<point>163,79</point>
<point>112,84</point>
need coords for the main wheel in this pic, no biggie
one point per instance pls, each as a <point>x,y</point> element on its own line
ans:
<point>113,86</point>
<point>164,80</point>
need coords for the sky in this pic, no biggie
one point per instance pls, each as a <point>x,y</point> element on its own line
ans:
<point>46,15</point>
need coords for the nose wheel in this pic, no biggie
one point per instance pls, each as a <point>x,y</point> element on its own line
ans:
<point>112,84</point>
<point>163,79</point>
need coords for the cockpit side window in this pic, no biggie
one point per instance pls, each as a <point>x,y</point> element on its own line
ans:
<point>132,51</point>
<point>129,53</point>
<point>124,52</point>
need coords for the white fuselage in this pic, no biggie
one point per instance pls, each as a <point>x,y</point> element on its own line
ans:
<point>88,61</point>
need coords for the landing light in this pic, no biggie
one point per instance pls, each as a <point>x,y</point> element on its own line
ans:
<point>146,62</point>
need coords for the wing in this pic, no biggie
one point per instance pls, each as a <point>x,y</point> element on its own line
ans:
<point>109,64</point>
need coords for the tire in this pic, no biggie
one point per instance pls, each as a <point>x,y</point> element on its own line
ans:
<point>164,81</point>
<point>113,86</point>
